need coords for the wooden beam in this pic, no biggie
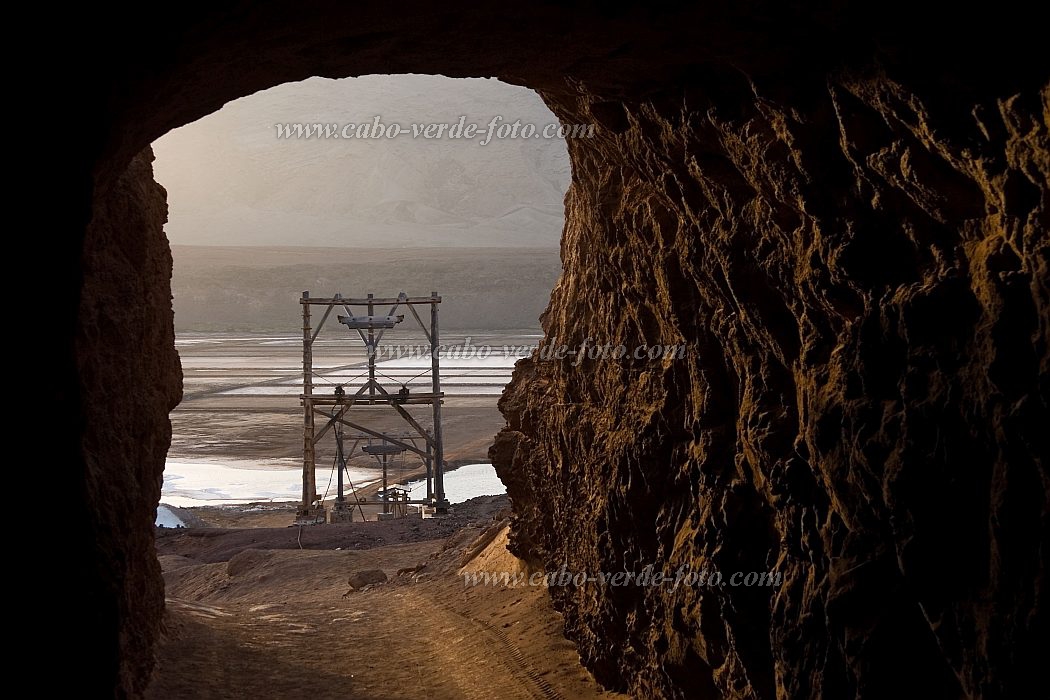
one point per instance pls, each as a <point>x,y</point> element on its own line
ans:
<point>409,419</point>
<point>420,322</point>
<point>365,302</point>
<point>320,325</point>
<point>379,435</point>
<point>328,425</point>
<point>413,399</point>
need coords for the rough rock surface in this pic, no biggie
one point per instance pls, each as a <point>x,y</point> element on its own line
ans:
<point>126,396</point>
<point>841,213</point>
<point>859,278</point>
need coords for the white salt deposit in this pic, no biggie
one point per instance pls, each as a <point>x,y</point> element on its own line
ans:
<point>165,518</point>
<point>464,483</point>
<point>203,483</point>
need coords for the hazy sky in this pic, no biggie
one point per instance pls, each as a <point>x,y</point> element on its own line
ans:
<point>232,181</point>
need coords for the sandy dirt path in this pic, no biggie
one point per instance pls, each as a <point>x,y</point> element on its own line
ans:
<point>386,645</point>
<point>275,624</point>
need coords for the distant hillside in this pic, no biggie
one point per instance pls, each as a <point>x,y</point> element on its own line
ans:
<point>245,289</point>
<point>232,181</point>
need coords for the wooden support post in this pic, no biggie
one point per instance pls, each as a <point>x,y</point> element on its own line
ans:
<point>429,462</point>
<point>340,501</point>
<point>439,453</point>
<point>371,355</point>
<point>386,489</point>
<point>309,475</point>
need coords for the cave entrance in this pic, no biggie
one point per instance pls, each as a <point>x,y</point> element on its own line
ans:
<point>387,183</point>
<point>293,189</point>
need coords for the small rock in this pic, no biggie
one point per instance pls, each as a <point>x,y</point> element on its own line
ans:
<point>365,577</point>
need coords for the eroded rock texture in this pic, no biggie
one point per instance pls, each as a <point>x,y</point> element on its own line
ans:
<point>129,379</point>
<point>859,272</point>
<point>839,209</point>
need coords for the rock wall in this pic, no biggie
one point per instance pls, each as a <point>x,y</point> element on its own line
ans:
<point>129,379</point>
<point>858,271</point>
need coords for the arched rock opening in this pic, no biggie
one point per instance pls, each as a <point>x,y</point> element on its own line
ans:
<point>850,243</point>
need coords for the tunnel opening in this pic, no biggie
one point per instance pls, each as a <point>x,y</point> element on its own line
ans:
<point>884,457</point>
<point>331,203</point>
<point>391,183</point>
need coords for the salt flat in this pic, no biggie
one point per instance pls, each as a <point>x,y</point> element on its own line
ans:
<point>237,435</point>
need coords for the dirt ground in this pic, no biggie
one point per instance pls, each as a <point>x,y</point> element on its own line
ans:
<point>250,614</point>
<point>256,606</point>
